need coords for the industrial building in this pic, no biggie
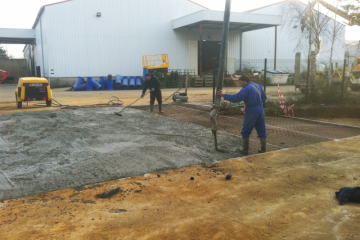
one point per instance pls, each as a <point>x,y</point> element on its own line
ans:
<point>94,38</point>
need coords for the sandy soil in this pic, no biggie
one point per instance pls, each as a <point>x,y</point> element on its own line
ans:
<point>65,97</point>
<point>281,195</point>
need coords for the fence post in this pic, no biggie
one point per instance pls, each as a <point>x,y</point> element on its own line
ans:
<point>343,80</point>
<point>307,80</point>
<point>265,78</point>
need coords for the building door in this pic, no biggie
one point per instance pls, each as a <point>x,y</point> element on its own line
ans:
<point>38,71</point>
<point>210,51</point>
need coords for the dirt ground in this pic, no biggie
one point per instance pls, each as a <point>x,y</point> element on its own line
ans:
<point>65,97</point>
<point>287,194</point>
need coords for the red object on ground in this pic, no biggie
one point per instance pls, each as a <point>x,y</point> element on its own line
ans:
<point>3,75</point>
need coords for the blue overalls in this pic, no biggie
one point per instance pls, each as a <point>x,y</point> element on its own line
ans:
<point>253,96</point>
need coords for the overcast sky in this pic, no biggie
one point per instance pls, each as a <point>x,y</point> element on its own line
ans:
<point>22,14</point>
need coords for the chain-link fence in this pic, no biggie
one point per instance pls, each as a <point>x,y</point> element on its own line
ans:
<point>175,78</point>
<point>286,65</point>
<point>331,81</point>
<point>283,132</point>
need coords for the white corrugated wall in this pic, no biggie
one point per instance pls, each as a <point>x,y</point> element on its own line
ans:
<point>77,43</point>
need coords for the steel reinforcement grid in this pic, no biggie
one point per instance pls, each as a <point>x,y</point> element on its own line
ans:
<point>283,132</point>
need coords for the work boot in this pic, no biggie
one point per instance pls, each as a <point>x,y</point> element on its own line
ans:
<point>245,147</point>
<point>151,108</point>
<point>263,145</point>
<point>160,108</point>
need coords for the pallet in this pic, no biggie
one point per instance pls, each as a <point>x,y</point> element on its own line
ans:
<point>199,82</point>
<point>208,80</point>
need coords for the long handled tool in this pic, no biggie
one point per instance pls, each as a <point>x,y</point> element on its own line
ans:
<point>177,91</point>
<point>119,113</point>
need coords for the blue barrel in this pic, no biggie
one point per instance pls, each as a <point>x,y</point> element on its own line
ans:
<point>81,87</point>
<point>79,81</point>
<point>138,83</point>
<point>118,82</point>
<point>101,81</point>
<point>132,83</point>
<point>110,84</point>
<point>145,71</point>
<point>93,83</point>
<point>125,83</point>
<point>89,86</point>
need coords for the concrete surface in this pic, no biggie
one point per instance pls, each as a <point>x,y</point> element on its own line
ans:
<point>280,195</point>
<point>47,151</point>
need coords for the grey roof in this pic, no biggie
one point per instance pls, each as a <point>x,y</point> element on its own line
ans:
<point>243,22</point>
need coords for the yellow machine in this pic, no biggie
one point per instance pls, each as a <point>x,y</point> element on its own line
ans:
<point>353,18</point>
<point>156,62</point>
<point>356,69</point>
<point>355,75</point>
<point>33,89</point>
<point>338,73</point>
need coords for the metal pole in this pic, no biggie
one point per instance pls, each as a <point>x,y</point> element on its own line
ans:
<point>308,70</point>
<point>224,39</point>
<point>241,37</point>
<point>307,80</point>
<point>214,82</point>
<point>275,47</point>
<point>216,106</point>
<point>42,51</point>
<point>343,80</point>
<point>200,50</point>
<point>265,77</point>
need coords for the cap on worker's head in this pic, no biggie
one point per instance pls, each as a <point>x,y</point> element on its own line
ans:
<point>109,76</point>
<point>244,78</point>
<point>148,75</point>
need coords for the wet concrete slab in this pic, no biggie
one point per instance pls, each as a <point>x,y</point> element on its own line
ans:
<point>46,151</point>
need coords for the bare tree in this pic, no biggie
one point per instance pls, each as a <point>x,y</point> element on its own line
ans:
<point>334,36</point>
<point>4,54</point>
<point>312,29</point>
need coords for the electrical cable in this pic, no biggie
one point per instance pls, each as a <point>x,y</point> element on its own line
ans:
<point>112,102</point>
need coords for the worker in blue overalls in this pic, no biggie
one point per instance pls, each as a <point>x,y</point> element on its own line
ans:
<point>253,96</point>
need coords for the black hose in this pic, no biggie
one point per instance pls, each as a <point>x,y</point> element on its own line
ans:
<point>115,102</point>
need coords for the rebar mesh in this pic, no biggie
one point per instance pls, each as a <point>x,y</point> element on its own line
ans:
<point>283,132</point>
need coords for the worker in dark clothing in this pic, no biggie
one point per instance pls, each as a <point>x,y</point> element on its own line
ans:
<point>253,96</point>
<point>154,85</point>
